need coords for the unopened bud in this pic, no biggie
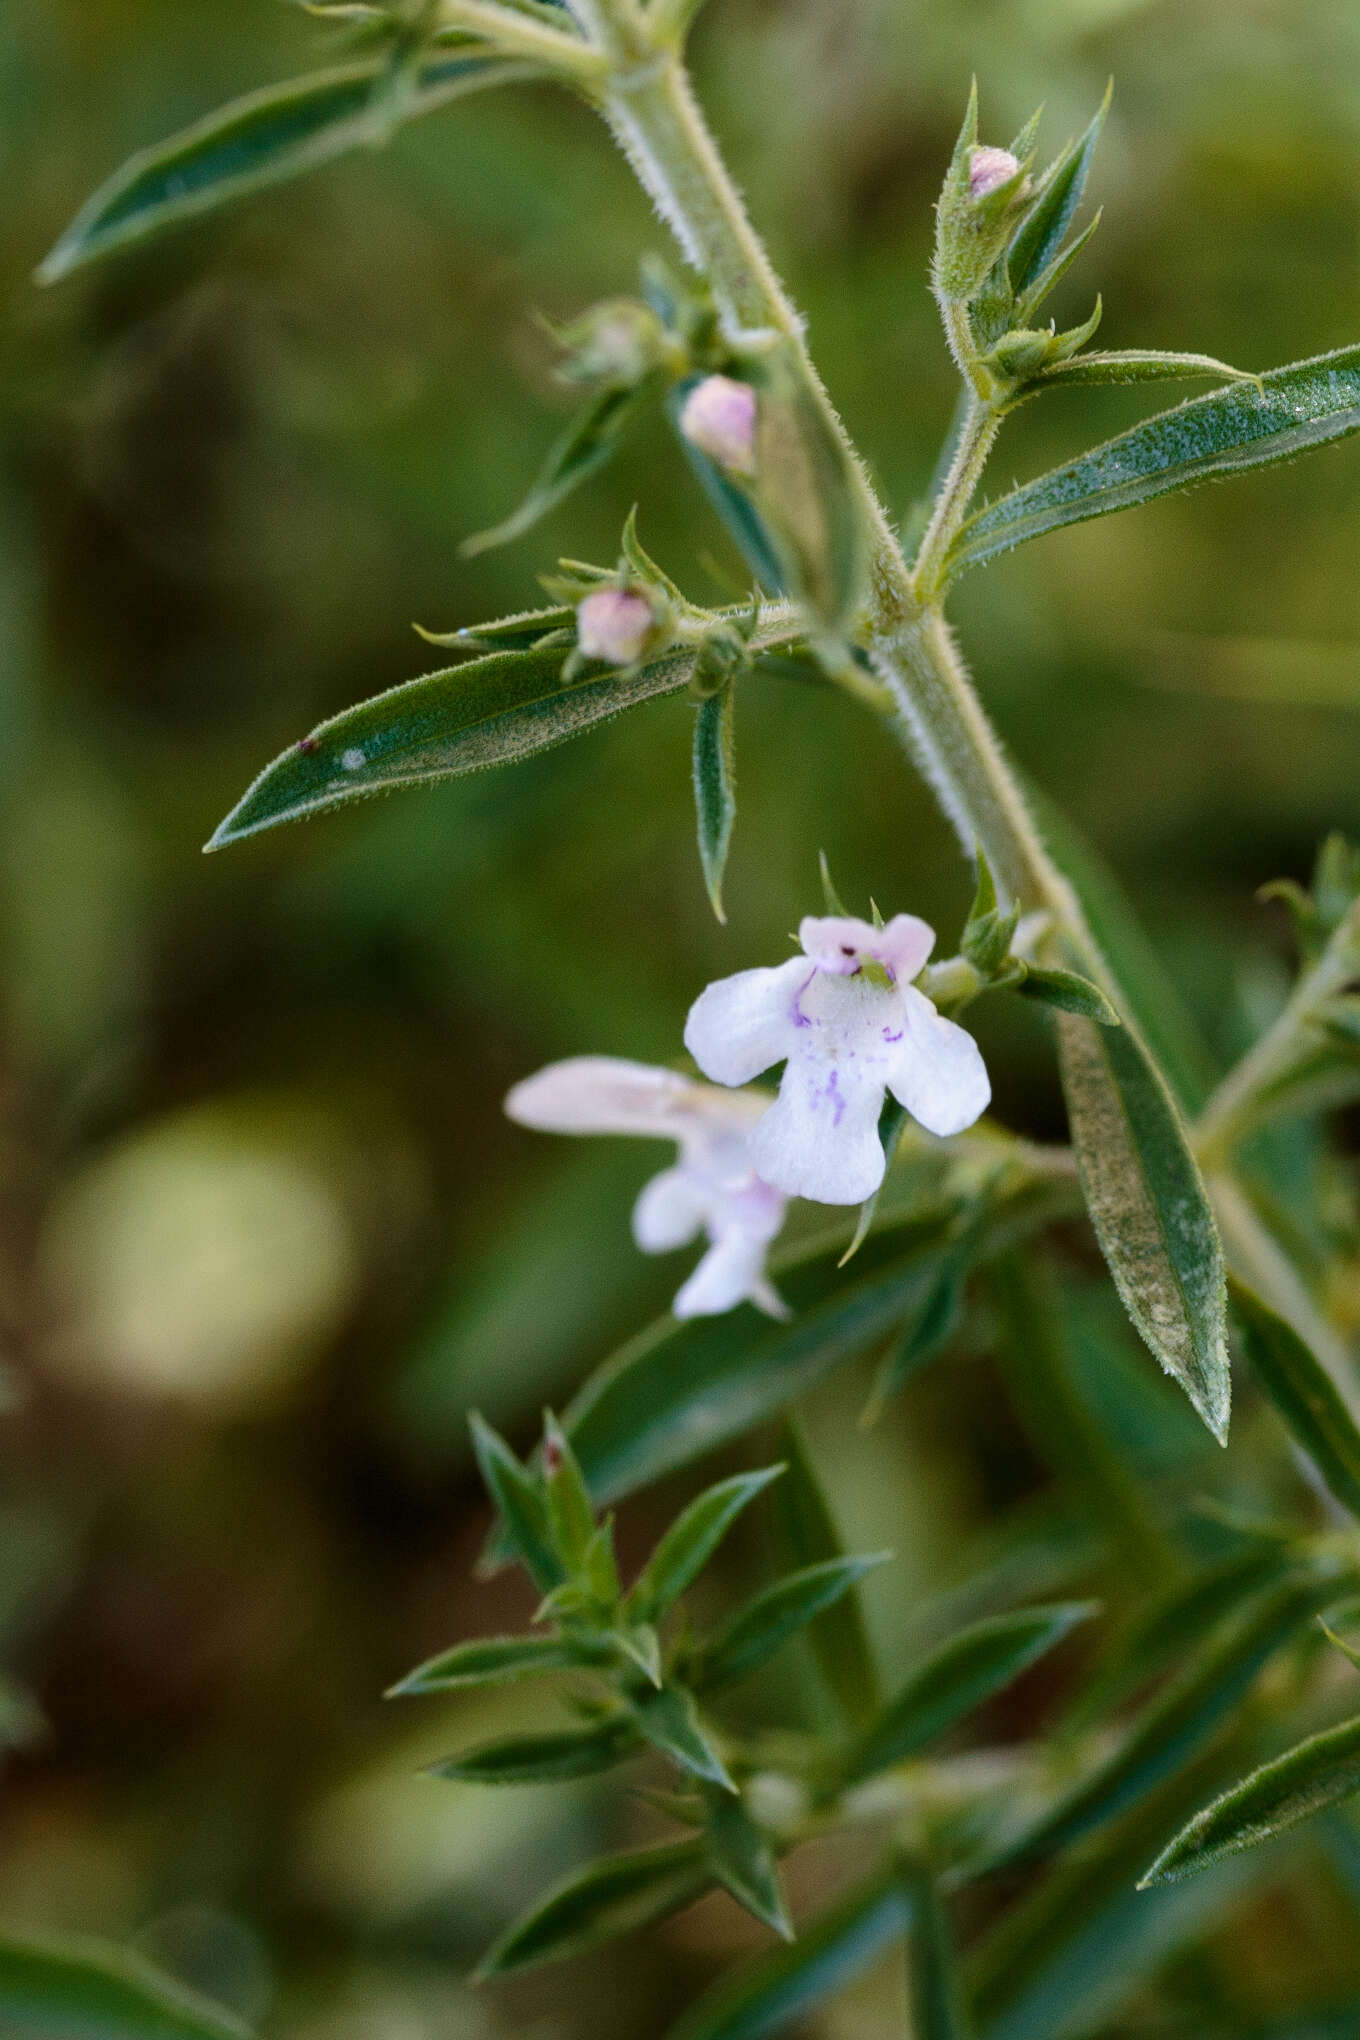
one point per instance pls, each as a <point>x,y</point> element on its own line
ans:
<point>988,169</point>
<point>617,343</point>
<point>719,417</point>
<point>615,626</point>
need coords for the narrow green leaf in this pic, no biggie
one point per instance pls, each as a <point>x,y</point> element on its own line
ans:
<point>1177,1722</point>
<point>589,441</point>
<point>1292,409</point>
<point>543,1759</point>
<point>744,1863</point>
<point>782,1989</point>
<point>1312,1406</point>
<point>521,1503</point>
<point>571,1519</point>
<point>1313,1776</point>
<point>87,1990</point>
<point>1044,228</point>
<point>959,1675</point>
<point>678,1390</point>
<point>766,1623</point>
<point>1068,992</point>
<point>808,1536</point>
<point>263,139</point>
<point>615,1896</point>
<point>936,1992</point>
<point>1138,365</point>
<point>691,1541</point>
<point>490,1660</point>
<point>715,798</point>
<point>731,502</point>
<point>669,1721</point>
<point>488,711</point>
<point>1149,1207</point>
<point>522,632</point>
<point>930,1322</point>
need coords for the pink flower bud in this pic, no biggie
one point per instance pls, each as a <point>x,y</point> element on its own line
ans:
<point>988,168</point>
<point>719,418</point>
<point>614,626</point>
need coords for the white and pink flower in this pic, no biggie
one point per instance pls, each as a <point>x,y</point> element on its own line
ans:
<point>848,1024</point>
<point>712,1188</point>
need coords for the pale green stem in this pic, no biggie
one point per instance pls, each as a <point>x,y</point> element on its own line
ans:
<point>520,35</point>
<point>1241,1099</point>
<point>980,427</point>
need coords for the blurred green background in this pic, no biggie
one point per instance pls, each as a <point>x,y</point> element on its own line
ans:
<point>264,1236</point>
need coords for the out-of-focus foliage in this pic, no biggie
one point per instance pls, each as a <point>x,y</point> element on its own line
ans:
<point>265,1235</point>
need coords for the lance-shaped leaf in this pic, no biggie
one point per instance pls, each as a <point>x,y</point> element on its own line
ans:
<point>1290,410</point>
<point>776,1993</point>
<point>690,1542</point>
<point>678,1390</point>
<point>84,1990</point>
<point>1067,992</point>
<point>549,1758</point>
<point>521,1502</point>
<point>670,1722</point>
<point>1177,1721</point>
<point>1149,1207</point>
<point>495,1659</point>
<point>808,1536</point>
<point>715,782</point>
<point>766,1623</point>
<point>1044,228</point>
<point>263,139</point>
<point>1317,1414</point>
<point>589,441</point>
<point>487,711</point>
<point>744,1863</point>
<point>1313,1776</point>
<point>933,1982</point>
<point>1137,365</point>
<point>959,1675</point>
<point>615,1896</point>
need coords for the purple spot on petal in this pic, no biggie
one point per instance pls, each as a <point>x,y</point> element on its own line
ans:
<point>800,1018</point>
<point>888,1034</point>
<point>833,1093</point>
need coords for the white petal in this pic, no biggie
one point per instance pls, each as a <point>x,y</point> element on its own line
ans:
<point>670,1211</point>
<point>732,1270</point>
<point>742,1024</point>
<point>903,944</point>
<point>604,1094</point>
<point>820,1137</point>
<point>939,1074</point>
<point>835,942</point>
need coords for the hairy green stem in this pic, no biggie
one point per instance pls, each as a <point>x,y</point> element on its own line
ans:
<point>981,424</point>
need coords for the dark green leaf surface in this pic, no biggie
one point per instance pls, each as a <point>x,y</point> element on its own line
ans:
<point>773,1995</point>
<point>614,1896</point>
<point>670,1722</point>
<point>1313,1776</point>
<point>1136,365</point>
<point>1294,408</point>
<point>958,1676</point>
<point>1068,992</point>
<point>1177,1722</point>
<point>1311,1405</point>
<point>1044,228</point>
<point>490,1659</point>
<point>521,1503</point>
<point>81,1990</point>
<point>936,1993</point>
<point>808,1536</point>
<point>487,711</point>
<point>543,1759</point>
<point>766,1623</point>
<point>262,139</point>
<point>715,798</point>
<point>679,1390</point>
<point>1149,1207</point>
<point>691,1541</point>
<point>744,1863</point>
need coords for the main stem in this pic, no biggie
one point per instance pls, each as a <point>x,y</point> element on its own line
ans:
<point>656,121</point>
